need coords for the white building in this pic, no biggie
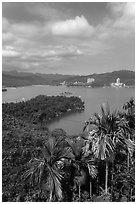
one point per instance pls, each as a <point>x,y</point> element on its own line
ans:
<point>63,83</point>
<point>117,83</point>
<point>90,80</point>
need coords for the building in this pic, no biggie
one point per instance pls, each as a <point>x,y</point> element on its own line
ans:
<point>90,80</point>
<point>63,83</point>
<point>117,83</point>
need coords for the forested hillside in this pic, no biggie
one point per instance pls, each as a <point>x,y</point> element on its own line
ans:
<point>126,77</point>
<point>15,79</point>
<point>24,79</point>
<point>42,109</point>
<point>40,166</point>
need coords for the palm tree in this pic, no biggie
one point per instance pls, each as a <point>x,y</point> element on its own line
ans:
<point>90,163</point>
<point>46,169</point>
<point>76,148</point>
<point>92,172</point>
<point>82,160</point>
<point>107,132</point>
<point>128,118</point>
<point>130,106</point>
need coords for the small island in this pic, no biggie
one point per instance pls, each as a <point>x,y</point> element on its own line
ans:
<point>66,93</point>
<point>4,89</point>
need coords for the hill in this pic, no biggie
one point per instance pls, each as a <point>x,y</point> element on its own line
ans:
<point>16,79</point>
<point>126,77</point>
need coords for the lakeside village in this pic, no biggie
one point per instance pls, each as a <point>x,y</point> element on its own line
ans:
<point>91,81</point>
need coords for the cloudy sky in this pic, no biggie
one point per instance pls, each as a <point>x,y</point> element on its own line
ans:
<point>68,37</point>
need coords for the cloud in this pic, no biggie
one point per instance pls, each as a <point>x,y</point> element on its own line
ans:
<point>19,31</point>
<point>38,58</point>
<point>58,38</point>
<point>29,58</point>
<point>25,30</point>
<point>47,11</point>
<point>5,24</point>
<point>73,27</point>
<point>10,53</point>
<point>127,17</point>
<point>121,23</point>
<point>8,36</point>
<point>122,8</point>
<point>53,52</point>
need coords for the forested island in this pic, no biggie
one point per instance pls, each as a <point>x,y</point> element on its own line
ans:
<point>39,165</point>
<point>4,89</point>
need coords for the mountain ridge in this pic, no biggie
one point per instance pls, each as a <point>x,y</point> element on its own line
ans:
<point>15,79</point>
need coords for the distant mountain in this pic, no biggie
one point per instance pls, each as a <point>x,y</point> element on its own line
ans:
<point>127,77</point>
<point>16,79</point>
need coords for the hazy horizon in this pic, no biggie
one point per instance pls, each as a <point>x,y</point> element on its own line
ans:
<point>75,38</point>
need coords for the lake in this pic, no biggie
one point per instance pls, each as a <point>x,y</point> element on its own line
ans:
<point>93,98</point>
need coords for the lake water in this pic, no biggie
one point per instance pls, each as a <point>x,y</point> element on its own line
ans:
<point>93,98</point>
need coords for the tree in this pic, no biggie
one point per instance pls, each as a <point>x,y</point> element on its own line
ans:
<point>104,136</point>
<point>45,171</point>
<point>129,115</point>
<point>82,161</point>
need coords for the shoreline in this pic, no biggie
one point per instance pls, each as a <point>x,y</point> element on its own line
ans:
<point>15,87</point>
<point>57,94</point>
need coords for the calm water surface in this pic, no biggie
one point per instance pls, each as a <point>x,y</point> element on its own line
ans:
<point>93,98</point>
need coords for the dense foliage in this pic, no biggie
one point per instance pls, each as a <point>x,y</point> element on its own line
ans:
<point>98,165</point>
<point>42,109</point>
<point>16,79</point>
<point>126,77</point>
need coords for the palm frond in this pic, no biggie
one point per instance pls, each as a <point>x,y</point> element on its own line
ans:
<point>35,171</point>
<point>46,153</point>
<point>92,170</point>
<point>75,147</point>
<point>51,144</point>
<point>65,153</point>
<point>55,177</point>
<point>130,145</point>
<point>110,144</point>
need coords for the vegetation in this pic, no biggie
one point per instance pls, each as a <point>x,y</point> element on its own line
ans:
<point>42,109</point>
<point>105,79</point>
<point>4,89</point>
<point>16,79</point>
<point>98,165</point>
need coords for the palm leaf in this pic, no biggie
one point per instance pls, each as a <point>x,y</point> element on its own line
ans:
<point>130,145</point>
<point>55,179</point>
<point>46,153</point>
<point>92,170</point>
<point>35,171</point>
